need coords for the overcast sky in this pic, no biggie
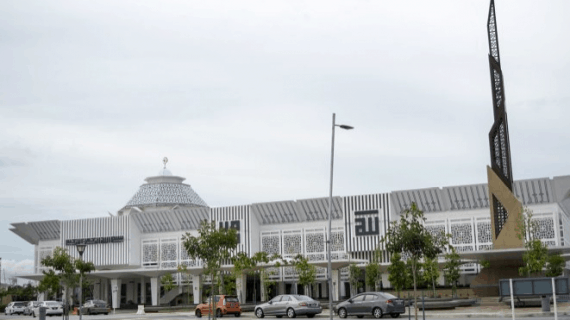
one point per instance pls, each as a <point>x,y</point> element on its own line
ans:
<point>239,95</point>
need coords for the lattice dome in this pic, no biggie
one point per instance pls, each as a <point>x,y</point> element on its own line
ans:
<point>165,189</point>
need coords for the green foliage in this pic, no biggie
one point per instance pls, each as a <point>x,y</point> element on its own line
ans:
<point>251,265</point>
<point>63,272</point>
<point>168,282</point>
<point>555,265</point>
<point>307,272</point>
<point>431,272</point>
<point>451,269</point>
<point>373,275</point>
<point>536,254</point>
<point>212,246</point>
<point>397,273</point>
<point>410,237</point>
<point>182,268</point>
<point>354,274</point>
<point>485,263</point>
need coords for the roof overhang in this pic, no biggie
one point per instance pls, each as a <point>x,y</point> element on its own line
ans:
<point>500,257</point>
<point>36,231</point>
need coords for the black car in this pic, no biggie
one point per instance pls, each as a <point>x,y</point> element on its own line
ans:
<point>375,304</point>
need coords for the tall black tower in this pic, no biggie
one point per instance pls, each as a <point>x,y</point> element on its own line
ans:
<point>502,199</point>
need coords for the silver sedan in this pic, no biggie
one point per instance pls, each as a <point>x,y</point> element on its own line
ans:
<point>290,305</point>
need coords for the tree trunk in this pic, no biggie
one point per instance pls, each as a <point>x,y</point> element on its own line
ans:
<point>433,285</point>
<point>415,288</point>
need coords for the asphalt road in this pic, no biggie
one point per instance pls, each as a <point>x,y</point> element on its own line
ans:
<point>248,316</point>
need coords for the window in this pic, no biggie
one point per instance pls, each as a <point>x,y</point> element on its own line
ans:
<point>358,298</point>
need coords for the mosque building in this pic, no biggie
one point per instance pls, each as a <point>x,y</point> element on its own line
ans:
<point>143,242</point>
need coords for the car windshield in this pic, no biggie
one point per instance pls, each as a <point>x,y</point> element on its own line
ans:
<point>232,299</point>
<point>301,298</point>
<point>52,304</point>
<point>19,304</point>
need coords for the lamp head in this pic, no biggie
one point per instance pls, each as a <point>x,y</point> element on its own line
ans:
<point>81,248</point>
<point>345,127</point>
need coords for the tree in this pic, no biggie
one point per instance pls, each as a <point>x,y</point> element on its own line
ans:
<point>307,272</point>
<point>167,282</point>
<point>555,265</point>
<point>354,273</point>
<point>212,246</point>
<point>397,274</point>
<point>373,274</point>
<point>410,237</point>
<point>431,272</point>
<point>251,265</point>
<point>63,272</point>
<point>451,269</point>
<point>536,254</point>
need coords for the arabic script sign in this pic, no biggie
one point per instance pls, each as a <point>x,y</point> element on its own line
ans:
<point>113,239</point>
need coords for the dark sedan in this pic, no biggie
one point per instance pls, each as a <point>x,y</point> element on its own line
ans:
<point>375,304</point>
<point>290,305</point>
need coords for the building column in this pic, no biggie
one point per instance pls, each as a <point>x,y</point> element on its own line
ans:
<point>97,290</point>
<point>325,289</point>
<point>154,291</point>
<point>280,287</point>
<point>143,291</point>
<point>241,286</point>
<point>41,296</point>
<point>116,287</point>
<point>262,291</point>
<point>131,294</point>
<point>336,284</point>
<point>197,286</point>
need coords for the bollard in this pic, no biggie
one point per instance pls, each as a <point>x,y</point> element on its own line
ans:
<point>42,313</point>
<point>545,303</point>
<point>423,305</point>
<point>409,307</point>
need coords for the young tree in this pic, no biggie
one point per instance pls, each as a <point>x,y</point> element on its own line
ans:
<point>536,254</point>
<point>451,269</point>
<point>373,274</point>
<point>397,274</point>
<point>63,271</point>
<point>251,265</point>
<point>168,282</point>
<point>555,265</point>
<point>431,272</point>
<point>306,271</point>
<point>410,237</point>
<point>213,246</point>
<point>354,273</point>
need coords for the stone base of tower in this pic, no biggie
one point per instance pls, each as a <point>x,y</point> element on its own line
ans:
<point>486,284</point>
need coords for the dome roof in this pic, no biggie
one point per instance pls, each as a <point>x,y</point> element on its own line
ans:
<point>165,190</point>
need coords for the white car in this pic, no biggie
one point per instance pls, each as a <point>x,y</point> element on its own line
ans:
<point>30,307</point>
<point>53,308</point>
<point>16,307</point>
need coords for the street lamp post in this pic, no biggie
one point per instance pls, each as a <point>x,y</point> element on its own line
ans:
<point>80,249</point>
<point>329,242</point>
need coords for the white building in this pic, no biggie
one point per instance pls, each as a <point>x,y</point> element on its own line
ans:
<point>132,250</point>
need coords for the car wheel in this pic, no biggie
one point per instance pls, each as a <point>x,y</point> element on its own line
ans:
<point>395,315</point>
<point>237,314</point>
<point>377,313</point>
<point>219,313</point>
<point>342,313</point>
<point>291,313</point>
<point>310,316</point>
<point>198,313</point>
<point>259,313</point>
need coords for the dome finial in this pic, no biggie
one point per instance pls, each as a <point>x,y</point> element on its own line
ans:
<point>165,161</point>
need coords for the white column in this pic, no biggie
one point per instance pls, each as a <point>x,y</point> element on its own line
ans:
<point>337,285</point>
<point>131,292</point>
<point>97,290</point>
<point>281,288</point>
<point>325,289</point>
<point>41,296</point>
<point>197,286</point>
<point>241,286</point>
<point>154,291</point>
<point>385,281</point>
<point>263,293</point>
<point>116,290</point>
<point>143,291</point>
